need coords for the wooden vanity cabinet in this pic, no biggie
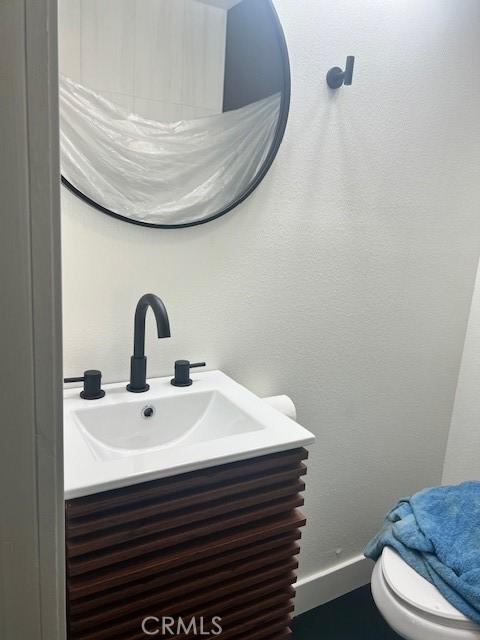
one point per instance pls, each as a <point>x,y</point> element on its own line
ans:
<point>218,542</point>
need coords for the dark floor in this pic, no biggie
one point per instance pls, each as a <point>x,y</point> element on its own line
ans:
<point>351,617</point>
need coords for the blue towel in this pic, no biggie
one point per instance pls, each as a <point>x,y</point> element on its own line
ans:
<point>437,532</point>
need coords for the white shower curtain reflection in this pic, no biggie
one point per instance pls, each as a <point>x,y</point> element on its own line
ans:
<point>157,172</point>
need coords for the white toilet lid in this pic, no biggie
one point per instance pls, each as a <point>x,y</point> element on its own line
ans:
<point>411,587</point>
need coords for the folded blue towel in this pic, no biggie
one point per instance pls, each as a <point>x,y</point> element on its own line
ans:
<point>437,532</point>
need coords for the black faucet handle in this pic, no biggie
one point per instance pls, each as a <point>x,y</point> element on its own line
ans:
<point>182,372</point>
<point>92,384</point>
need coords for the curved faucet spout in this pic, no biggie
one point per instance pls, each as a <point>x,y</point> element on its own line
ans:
<point>161,317</point>
<point>138,362</point>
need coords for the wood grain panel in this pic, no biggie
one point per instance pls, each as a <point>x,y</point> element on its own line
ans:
<point>287,633</point>
<point>97,581</point>
<point>162,505</point>
<point>256,616</point>
<point>268,618</point>
<point>149,544</point>
<point>183,521</point>
<point>253,600</point>
<point>160,600</point>
<point>216,542</point>
<point>196,479</point>
<point>201,577</point>
<point>216,568</point>
<point>275,605</point>
<point>266,629</point>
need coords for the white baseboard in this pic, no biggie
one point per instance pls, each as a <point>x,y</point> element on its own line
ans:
<point>321,587</point>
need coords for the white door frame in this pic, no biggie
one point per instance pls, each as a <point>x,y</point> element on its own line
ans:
<point>32,591</point>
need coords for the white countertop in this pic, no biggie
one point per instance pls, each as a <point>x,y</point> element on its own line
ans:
<point>87,473</point>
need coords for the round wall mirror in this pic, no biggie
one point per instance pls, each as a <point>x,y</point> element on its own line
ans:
<point>171,111</point>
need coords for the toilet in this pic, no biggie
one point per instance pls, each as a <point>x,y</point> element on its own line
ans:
<point>413,607</point>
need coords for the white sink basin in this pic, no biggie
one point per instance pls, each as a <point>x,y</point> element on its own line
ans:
<point>123,430</point>
<point>110,443</point>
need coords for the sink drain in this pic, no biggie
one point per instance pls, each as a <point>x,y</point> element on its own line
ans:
<point>148,411</point>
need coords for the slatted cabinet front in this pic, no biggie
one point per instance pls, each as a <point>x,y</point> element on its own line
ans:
<point>220,542</point>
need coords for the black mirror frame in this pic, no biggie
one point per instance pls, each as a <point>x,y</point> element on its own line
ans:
<point>279,133</point>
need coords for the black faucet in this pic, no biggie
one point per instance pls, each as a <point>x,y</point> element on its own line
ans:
<point>138,362</point>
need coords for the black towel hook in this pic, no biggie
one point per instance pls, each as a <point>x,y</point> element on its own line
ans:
<point>336,76</point>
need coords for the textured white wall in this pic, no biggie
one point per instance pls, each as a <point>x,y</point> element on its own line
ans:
<point>462,460</point>
<point>345,281</point>
<point>161,59</point>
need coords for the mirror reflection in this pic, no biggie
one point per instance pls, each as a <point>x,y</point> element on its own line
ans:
<point>171,110</point>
